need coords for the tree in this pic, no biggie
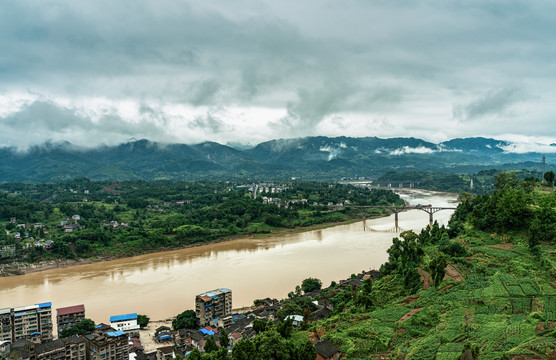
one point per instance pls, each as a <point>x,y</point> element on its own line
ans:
<point>259,325</point>
<point>244,349</point>
<point>271,347</point>
<point>224,341</point>
<point>195,354</point>
<point>549,177</point>
<point>185,320</point>
<point>311,284</point>
<point>83,327</point>
<point>437,268</point>
<point>210,345</point>
<point>285,328</point>
<point>143,320</point>
<point>220,354</point>
<point>306,351</point>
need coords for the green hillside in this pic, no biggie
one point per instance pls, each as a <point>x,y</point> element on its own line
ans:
<point>485,288</point>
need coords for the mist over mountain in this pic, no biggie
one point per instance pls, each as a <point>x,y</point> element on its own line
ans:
<point>320,157</point>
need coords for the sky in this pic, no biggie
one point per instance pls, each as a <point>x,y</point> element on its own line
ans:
<point>242,72</point>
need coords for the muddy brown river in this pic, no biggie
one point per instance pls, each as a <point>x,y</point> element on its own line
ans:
<point>164,284</point>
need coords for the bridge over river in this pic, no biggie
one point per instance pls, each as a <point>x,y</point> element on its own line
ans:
<point>397,209</point>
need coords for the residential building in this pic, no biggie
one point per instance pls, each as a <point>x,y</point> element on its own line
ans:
<point>71,348</point>
<point>69,316</point>
<point>51,350</point>
<point>32,322</point>
<point>76,347</point>
<point>213,304</point>
<point>126,322</point>
<point>6,324</point>
<point>107,345</point>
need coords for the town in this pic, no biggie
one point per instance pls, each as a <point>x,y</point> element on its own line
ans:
<point>27,332</point>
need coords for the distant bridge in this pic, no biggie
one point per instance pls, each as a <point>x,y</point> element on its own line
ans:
<point>397,209</point>
<point>386,184</point>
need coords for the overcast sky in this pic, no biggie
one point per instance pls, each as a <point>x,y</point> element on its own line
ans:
<point>103,72</point>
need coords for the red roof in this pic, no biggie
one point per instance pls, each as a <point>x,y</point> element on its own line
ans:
<point>70,310</point>
<point>206,298</point>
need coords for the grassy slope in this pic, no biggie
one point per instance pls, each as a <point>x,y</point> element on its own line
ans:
<point>506,304</point>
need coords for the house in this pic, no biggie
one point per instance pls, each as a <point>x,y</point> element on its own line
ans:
<point>297,319</point>
<point>326,350</point>
<point>126,322</point>
<point>69,316</point>
<point>163,333</point>
<point>165,353</point>
<point>196,339</point>
<point>234,338</point>
<point>76,217</point>
<point>107,344</point>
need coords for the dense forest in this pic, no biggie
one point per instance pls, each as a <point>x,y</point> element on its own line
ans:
<point>84,218</point>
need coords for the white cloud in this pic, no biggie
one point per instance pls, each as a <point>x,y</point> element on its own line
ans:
<point>248,71</point>
<point>412,150</point>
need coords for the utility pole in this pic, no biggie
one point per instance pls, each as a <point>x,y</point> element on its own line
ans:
<point>543,168</point>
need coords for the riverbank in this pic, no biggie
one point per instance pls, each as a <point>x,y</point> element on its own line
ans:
<point>21,268</point>
<point>165,283</point>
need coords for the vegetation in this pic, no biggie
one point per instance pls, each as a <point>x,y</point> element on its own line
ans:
<point>83,327</point>
<point>83,218</point>
<point>481,286</point>
<point>143,320</point>
<point>311,284</point>
<point>185,320</point>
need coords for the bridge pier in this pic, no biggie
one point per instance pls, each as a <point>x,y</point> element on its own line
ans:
<point>430,219</point>
<point>396,221</point>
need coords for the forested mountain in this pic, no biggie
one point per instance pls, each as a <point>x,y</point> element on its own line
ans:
<point>319,157</point>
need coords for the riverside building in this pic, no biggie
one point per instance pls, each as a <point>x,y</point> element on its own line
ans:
<point>213,304</point>
<point>67,317</point>
<point>31,322</point>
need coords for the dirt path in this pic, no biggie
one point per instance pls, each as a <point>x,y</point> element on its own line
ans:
<point>453,272</point>
<point>425,278</point>
<point>410,314</point>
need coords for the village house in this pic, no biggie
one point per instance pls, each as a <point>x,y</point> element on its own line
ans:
<point>326,350</point>
<point>297,320</point>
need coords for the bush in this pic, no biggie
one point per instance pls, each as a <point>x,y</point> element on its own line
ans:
<point>311,284</point>
<point>453,248</point>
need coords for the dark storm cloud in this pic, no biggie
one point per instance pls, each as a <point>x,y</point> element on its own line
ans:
<point>412,64</point>
<point>496,102</point>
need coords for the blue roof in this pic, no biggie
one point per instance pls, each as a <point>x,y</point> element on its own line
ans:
<point>115,333</point>
<point>225,290</point>
<point>164,337</point>
<point>210,294</point>
<point>99,325</point>
<point>43,305</point>
<point>36,333</point>
<point>123,317</point>
<point>207,332</point>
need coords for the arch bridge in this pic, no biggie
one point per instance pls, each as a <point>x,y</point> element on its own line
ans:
<point>397,209</point>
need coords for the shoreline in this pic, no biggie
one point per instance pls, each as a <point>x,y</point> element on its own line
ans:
<point>21,269</point>
<point>24,268</point>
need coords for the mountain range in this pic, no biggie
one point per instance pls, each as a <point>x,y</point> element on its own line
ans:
<point>326,158</point>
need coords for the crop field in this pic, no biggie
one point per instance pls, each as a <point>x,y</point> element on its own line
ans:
<point>505,306</point>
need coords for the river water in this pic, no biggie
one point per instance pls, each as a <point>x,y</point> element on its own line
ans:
<point>164,284</point>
